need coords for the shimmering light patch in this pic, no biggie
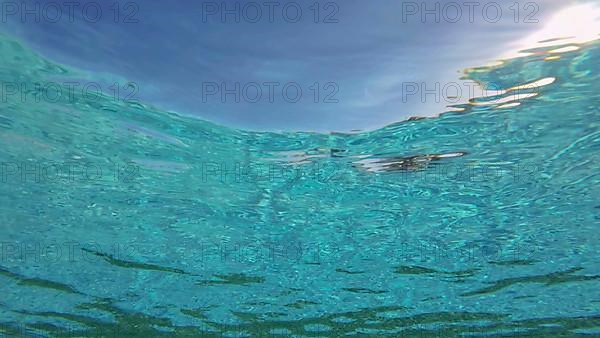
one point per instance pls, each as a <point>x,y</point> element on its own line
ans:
<point>504,99</point>
<point>535,84</point>
<point>485,94</point>
<point>509,105</point>
<point>449,155</point>
<point>551,58</point>
<point>564,49</point>
<point>513,93</point>
<point>497,63</point>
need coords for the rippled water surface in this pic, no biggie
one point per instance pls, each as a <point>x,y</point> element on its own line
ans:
<point>119,219</point>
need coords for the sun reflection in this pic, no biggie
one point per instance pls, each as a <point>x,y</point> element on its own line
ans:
<point>570,27</point>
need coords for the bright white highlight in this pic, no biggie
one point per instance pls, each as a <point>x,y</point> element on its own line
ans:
<point>573,25</point>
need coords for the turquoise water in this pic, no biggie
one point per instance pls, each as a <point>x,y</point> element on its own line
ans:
<point>120,219</point>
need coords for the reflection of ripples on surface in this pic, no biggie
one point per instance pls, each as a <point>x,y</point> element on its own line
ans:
<point>177,247</point>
